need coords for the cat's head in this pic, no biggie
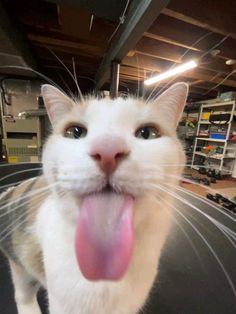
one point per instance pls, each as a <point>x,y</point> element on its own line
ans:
<point>108,153</point>
<point>126,144</point>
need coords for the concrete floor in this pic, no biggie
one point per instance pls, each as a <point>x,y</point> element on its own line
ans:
<point>226,187</point>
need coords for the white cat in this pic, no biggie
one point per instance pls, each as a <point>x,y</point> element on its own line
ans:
<point>93,226</point>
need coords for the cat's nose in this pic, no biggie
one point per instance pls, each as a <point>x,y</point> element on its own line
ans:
<point>108,153</point>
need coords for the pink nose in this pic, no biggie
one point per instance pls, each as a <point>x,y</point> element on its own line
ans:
<point>108,152</point>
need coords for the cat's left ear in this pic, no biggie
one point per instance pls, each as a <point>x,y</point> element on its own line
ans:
<point>57,103</point>
<point>170,104</point>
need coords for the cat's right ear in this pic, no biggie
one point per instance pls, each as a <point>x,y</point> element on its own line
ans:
<point>57,103</point>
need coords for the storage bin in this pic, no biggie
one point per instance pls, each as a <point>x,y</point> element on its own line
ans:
<point>206,115</point>
<point>218,136</point>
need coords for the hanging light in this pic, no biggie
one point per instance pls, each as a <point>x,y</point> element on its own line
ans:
<point>179,69</point>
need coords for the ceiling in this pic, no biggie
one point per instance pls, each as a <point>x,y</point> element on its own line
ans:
<point>45,34</point>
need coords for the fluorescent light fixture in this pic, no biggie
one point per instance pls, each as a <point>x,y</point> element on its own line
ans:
<point>179,69</point>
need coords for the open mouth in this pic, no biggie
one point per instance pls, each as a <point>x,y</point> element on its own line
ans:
<point>104,236</point>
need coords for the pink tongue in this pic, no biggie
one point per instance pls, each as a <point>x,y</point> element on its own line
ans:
<point>104,235</point>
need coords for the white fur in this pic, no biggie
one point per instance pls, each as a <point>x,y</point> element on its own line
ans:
<point>67,161</point>
<point>25,292</point>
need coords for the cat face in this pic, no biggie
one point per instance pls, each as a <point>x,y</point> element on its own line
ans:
<point>140,137</point>
<point>109,155</point>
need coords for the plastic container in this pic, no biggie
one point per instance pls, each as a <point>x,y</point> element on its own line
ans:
<point>217,136</point>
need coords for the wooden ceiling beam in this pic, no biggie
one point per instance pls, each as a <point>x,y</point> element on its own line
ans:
<point>70,51</point>
<point>44,40</point>
<point>197,97</point>
<point>127,77</point>
<point>138,73</point>
<point>98,35</point>
<point>182,34</point>
<point>197,90</point>
<point>169,41</point>
<point>172,29</point>
<point>196,82</point>
<point>48,57</point>
<point>194,92</point>
<point>79,63</point>
<point>169,52</point>
<point>205,14</point>
<point>146,63</point>
<point>208,78</point>
<point>200,84</point>
<point>140,16</point>
<point>196,74</point>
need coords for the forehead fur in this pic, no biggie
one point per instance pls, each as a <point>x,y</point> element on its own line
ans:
<point>97,111</point>
<point>120,113</point>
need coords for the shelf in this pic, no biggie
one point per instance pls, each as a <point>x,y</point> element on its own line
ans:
<point>204,122</point>
<point>200,154</point>
<point>210,139</point>
<point>218,158</point>
<point>205,155</point>
<point>220,104</point>
<point>223,170</point>
<point>205,136</point>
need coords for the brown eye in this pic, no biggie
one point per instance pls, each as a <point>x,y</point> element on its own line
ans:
<point>75,132</point>
<point>147,133</point>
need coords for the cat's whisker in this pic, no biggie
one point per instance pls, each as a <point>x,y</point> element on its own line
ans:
<point>69,72</point>
<point>11,227</point>
<point>219,225</point>
<point>229,234</point>
<point>230,282</point>
<point>7,186</point>
<point>68,90</point>
<point>182,165</point>
<point>46,78</point>
<point>75,77</point>
<point>183,231</point>
<point>19,163</point>
<point>13,212</point>
<point>200,235</point>
<point>194,195</point>
<point>137,61</point>
<point>18,203</point>
<point>20,171</point>
<point>26,195</point>
<point>205,201</point>
<point>197,197</point>
<point>156,94</point>
<point>181,178</point>
<point>16,223</point>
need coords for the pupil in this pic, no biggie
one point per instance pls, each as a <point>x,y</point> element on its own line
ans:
<point>145,133</point>
<point>77,132</point>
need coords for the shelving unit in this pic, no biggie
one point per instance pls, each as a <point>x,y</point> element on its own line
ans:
<point>219,161</point>
<point>186,133</point>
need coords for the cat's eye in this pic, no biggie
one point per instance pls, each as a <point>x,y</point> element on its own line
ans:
<point>75,131</point>
<point>147,132</point>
